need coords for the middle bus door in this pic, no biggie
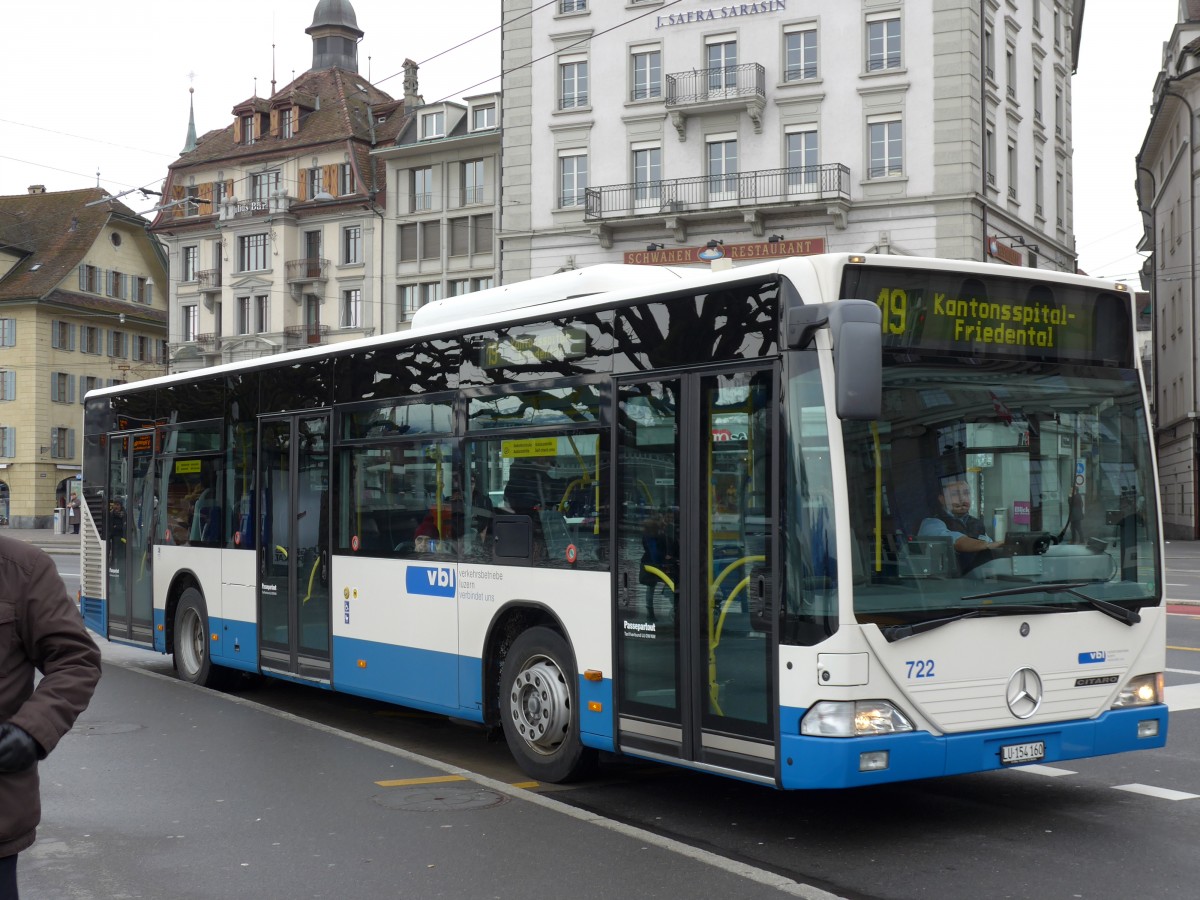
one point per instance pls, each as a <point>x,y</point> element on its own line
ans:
<point>695,570</point>
<point>293,545</point>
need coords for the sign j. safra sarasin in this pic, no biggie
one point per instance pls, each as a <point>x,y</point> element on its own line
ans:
<point>716,13</point>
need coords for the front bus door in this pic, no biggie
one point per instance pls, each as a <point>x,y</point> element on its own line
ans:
<point>293,545</point>
<point>695,569</point>
<point>129,571</point>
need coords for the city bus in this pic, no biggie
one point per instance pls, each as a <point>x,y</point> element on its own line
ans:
<point>817,522</point>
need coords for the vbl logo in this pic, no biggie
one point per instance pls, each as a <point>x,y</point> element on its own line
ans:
<point>430,581</point>
<point>1095,656</point>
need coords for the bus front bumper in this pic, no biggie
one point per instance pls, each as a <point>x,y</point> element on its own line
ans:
<point>821,762</point>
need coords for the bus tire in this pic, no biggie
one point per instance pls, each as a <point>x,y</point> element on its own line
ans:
<point>193,662</point>
<point>539,708</point>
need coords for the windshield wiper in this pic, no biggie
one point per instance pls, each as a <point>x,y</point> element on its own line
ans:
<point>893,633</point>
<point>1129,617</point>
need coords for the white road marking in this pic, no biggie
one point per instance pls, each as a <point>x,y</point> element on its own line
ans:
<point>1151,791</point>
<point>1048,771</point>
<point>1184,671</point>
<point>1183,696</point>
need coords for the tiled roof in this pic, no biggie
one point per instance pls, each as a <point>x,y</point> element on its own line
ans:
<point>56,229</point>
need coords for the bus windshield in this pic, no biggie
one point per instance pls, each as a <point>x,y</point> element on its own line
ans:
<point>1000,486</point>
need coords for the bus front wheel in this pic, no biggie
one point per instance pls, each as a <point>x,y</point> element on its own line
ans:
<point>539,708</point>
<point>192,661</point>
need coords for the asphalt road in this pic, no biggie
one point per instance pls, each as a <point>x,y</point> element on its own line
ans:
<point>1116,827</point>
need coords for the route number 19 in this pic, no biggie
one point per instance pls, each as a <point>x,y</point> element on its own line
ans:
<point>893,303</point>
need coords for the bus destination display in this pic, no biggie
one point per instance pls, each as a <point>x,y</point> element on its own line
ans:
<point>928,310</point>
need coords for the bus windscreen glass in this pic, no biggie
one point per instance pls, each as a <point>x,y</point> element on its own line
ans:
<point>995,316</point>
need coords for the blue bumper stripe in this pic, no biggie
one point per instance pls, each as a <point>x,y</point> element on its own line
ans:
<point>813,762</point>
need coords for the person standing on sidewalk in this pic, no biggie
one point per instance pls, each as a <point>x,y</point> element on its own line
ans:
<point>40,628</point>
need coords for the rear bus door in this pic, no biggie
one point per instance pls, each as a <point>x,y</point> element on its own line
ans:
<point>129,571</point>
<point>293,545</point>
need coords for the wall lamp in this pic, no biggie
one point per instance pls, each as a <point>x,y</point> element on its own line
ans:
<point>652,246</point>
<point>714,244</point>
<point>775,239</point>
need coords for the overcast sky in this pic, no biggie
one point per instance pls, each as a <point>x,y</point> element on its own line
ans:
<point>104,86</point>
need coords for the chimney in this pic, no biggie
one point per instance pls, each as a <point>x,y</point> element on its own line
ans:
<point>411,98</point>
<point>37,189</point>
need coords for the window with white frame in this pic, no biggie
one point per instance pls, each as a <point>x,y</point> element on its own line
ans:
<point>430,291</point>
<point>346,183</point>
<point>252,252</point>
<point>143,348</point>
<point>315,182</point>
<point>883,43</point>
<point>261,314</point>
<point>89,383</point>
<point>409,300</point>
<point>722,153</point>
<point>483,117</point>
<point>472,181</point>
<point>458,286</point>
<point>262,184</point>
<point>248,129</point>
<point>647,174</point>
<point>802,158</point>
<point>572,179</point>
<point>352,308</point>
<point>646,63</point>
<point>573,82</point>
<point>421,188</point>
<point>722,63</point>
<point>191,263</point>
<point>190,322</point>
<point>1010,71</point>
<point>1037,95</point>
<point>886,140</point>
<point>569,6</point>
<point>1012,171</point>
<point>1039,191</point>
<point>989,154</point>
<point>433,125</point>
<point>285,122</point>
<point>352,245</point>
<point>800,53</point>
<point>482,284</point>
<point>89,340</point>
<point>243,315</point>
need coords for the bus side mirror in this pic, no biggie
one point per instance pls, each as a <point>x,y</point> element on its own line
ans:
<point>857,358</point>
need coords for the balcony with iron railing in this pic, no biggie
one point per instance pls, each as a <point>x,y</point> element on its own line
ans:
<point>305,334</point>
<point>679,196</point>
<point>209,281</point>
<point>307,270</point>
<point>717,89</point>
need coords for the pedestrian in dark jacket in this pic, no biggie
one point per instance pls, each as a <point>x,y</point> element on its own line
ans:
<point>40,628</point>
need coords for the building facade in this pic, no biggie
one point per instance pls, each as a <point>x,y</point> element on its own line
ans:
<point>82,305</point>
<point>642,131</point>
<point>443,205</point>
<point>1167,166</point>
<point>275,224</point>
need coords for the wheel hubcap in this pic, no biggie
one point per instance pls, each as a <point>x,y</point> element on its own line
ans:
<point>192,644</point>
<point>540,703</point>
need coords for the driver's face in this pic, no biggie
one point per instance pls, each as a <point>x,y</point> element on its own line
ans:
<point>957,497</point>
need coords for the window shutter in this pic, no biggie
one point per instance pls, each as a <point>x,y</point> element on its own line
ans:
<point>71,336</point>
<point>149,293</point>
<point>8,332</point>
<point>53,443</point>
<point>329,179</point>
<point>10,385</point>
<point>70,443</point>
<point>237,128</point>
<point>9,448</point>
<point>302,187</point>
<point>177,194</point>
<point>70,398</point>
<point>82,277</point>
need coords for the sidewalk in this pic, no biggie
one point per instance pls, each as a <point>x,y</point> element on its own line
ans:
<point>44,538</point>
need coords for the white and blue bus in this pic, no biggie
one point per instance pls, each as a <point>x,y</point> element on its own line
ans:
<point>818,522</point>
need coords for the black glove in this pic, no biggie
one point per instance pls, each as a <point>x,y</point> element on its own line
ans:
<point>18,751</point>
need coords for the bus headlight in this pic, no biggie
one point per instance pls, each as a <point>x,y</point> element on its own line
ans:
<point>1143,690</point>
<point>853,718</point>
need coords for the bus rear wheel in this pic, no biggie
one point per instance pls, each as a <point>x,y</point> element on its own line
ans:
<point>539,708</point>
<point>191,646</point>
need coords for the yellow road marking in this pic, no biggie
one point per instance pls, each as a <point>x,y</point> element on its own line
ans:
<point>1193,649</point>
<point>442,779</point>
<point>432,779</point>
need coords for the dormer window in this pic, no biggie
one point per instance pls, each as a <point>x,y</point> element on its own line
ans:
<point>285,123</point>
<point>483,117</point>
<point>433,125</point>
<point>248,129</point>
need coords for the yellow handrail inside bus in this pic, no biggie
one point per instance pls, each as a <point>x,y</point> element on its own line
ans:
<point>717,623</point>
<point>878,499</point>
<point>311,576</point>
<point>661,576</point>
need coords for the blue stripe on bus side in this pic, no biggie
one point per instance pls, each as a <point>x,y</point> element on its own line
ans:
<point>817,762</point>
<point>596,728</point>
<point>236,645</point>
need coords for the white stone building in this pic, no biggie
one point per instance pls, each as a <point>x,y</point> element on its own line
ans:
<point>935,128</point>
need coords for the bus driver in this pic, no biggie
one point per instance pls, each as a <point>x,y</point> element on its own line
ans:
<point>953,519</point>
